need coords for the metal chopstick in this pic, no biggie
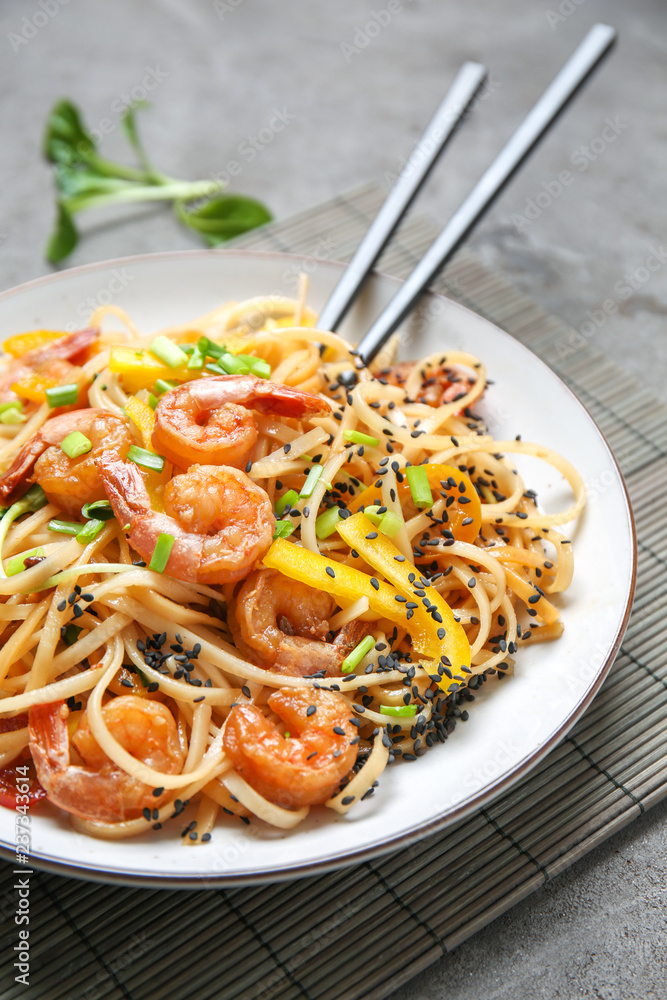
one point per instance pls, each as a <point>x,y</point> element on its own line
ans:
<point>558,94</point>
<point>422,159</point>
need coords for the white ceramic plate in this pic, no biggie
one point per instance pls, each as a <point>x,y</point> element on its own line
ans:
<point>513,723</point>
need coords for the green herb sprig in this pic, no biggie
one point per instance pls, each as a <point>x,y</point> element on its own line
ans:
<point>85,180</point>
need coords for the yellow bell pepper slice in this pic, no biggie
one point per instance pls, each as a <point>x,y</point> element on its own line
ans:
<point>456,512</point>
<point>33,387</point>
<point>311,568</point>
<point>21,343</point>
<point>143,419</point>
<point>140,369</point>
<point>380,552</point>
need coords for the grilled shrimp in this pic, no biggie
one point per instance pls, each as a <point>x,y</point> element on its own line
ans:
<point>55,360</point>
<point>439,385</point>
<point>68,482</point>
<point>285,624</point>
<point>210,420</point>
<point>99,790</point>
<point>221,521</point>
<point>305,768</point>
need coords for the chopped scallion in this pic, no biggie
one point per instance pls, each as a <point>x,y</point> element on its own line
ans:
<point>233,365</point>
<point>398,710</point>
<point>90,531</point>
<point>197,358</point>
<point>70,633</point>
<point>371,513</point>
<point>291,497</point>
<point>163,385</point>
<point>13,404</point>
<point>146,459</point>
<point>152,400</point>
<point>419,486</point>
<point>311,481</point>
<point>17,563</point>
<point>257,366</point>
<point>161,552</point>
<point>12,416</point>
<point>62,395</point>
<point>209,349</point>
<point>354,658</point>
<point>12,412</point>
<point>327,522</point>
<point>356,437</point>
<point>283,529</point>
<point>101,510</point>
<point>168,352</point>
<point>391,523</point>
<point>64,527</point>
<point>76,444</point>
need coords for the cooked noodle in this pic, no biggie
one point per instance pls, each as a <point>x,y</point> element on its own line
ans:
<point>85,621</point>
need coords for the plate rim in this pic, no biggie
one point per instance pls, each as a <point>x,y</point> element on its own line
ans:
<point>454,814</point>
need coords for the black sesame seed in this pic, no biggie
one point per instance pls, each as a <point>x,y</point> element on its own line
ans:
<point>330,572</point>
<point>311,710</point>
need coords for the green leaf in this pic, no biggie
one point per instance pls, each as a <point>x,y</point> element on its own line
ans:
<point>64,237</point>
<point>66,139</point>
<point>224,217</point>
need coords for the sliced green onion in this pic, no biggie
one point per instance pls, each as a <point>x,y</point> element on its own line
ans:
<point>70,633</point>
<point>419,487</point>
<point>163,385</point>
<point>215,369</point>
<point>233,365</point>
<point>327,522</point>
<point>161,552</point>
<point>62,395</point>
<point>197,358</point>
<point>12,412</point>
<point>290,498</point>
<point>371,512</point>
<point>64,527</point>
<point>187,348</point>
<point>152,400</point>
<point>354,658</point>
<point>398,710</point>
<point>209,349</point>
<point>283,529</point>
<point>13,416</point>
<point>258,366</point>
<point>146,459</point>
<point>100,510</point>
<point>76,444</point>
<point>90,531</point>
<point>356,437</point>
<point>13,404</point>
<point>391,523</point>
<point>311,481</point>
<point>17,563</point>
<point>168,352</point>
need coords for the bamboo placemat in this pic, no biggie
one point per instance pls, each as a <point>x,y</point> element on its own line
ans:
<point>328,938</point>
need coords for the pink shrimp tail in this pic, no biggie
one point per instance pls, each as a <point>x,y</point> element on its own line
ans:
<point>66,348</point>
<point>18,472</point>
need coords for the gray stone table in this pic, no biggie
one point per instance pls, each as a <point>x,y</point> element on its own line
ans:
<point>354,83</point>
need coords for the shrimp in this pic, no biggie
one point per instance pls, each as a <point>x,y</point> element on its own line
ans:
<point>285,625</point>
<point>98,790</point>
<point>68,482</point>
<point>439,385</point>
<point>53,360</point>
<point>210,420</point>
<point>305,768</point>
<point>221,521</point>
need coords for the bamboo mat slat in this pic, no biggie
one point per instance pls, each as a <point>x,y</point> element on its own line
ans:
<point>390,918</point>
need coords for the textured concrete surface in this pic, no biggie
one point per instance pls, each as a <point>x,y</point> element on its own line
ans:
<point>355,86</point>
